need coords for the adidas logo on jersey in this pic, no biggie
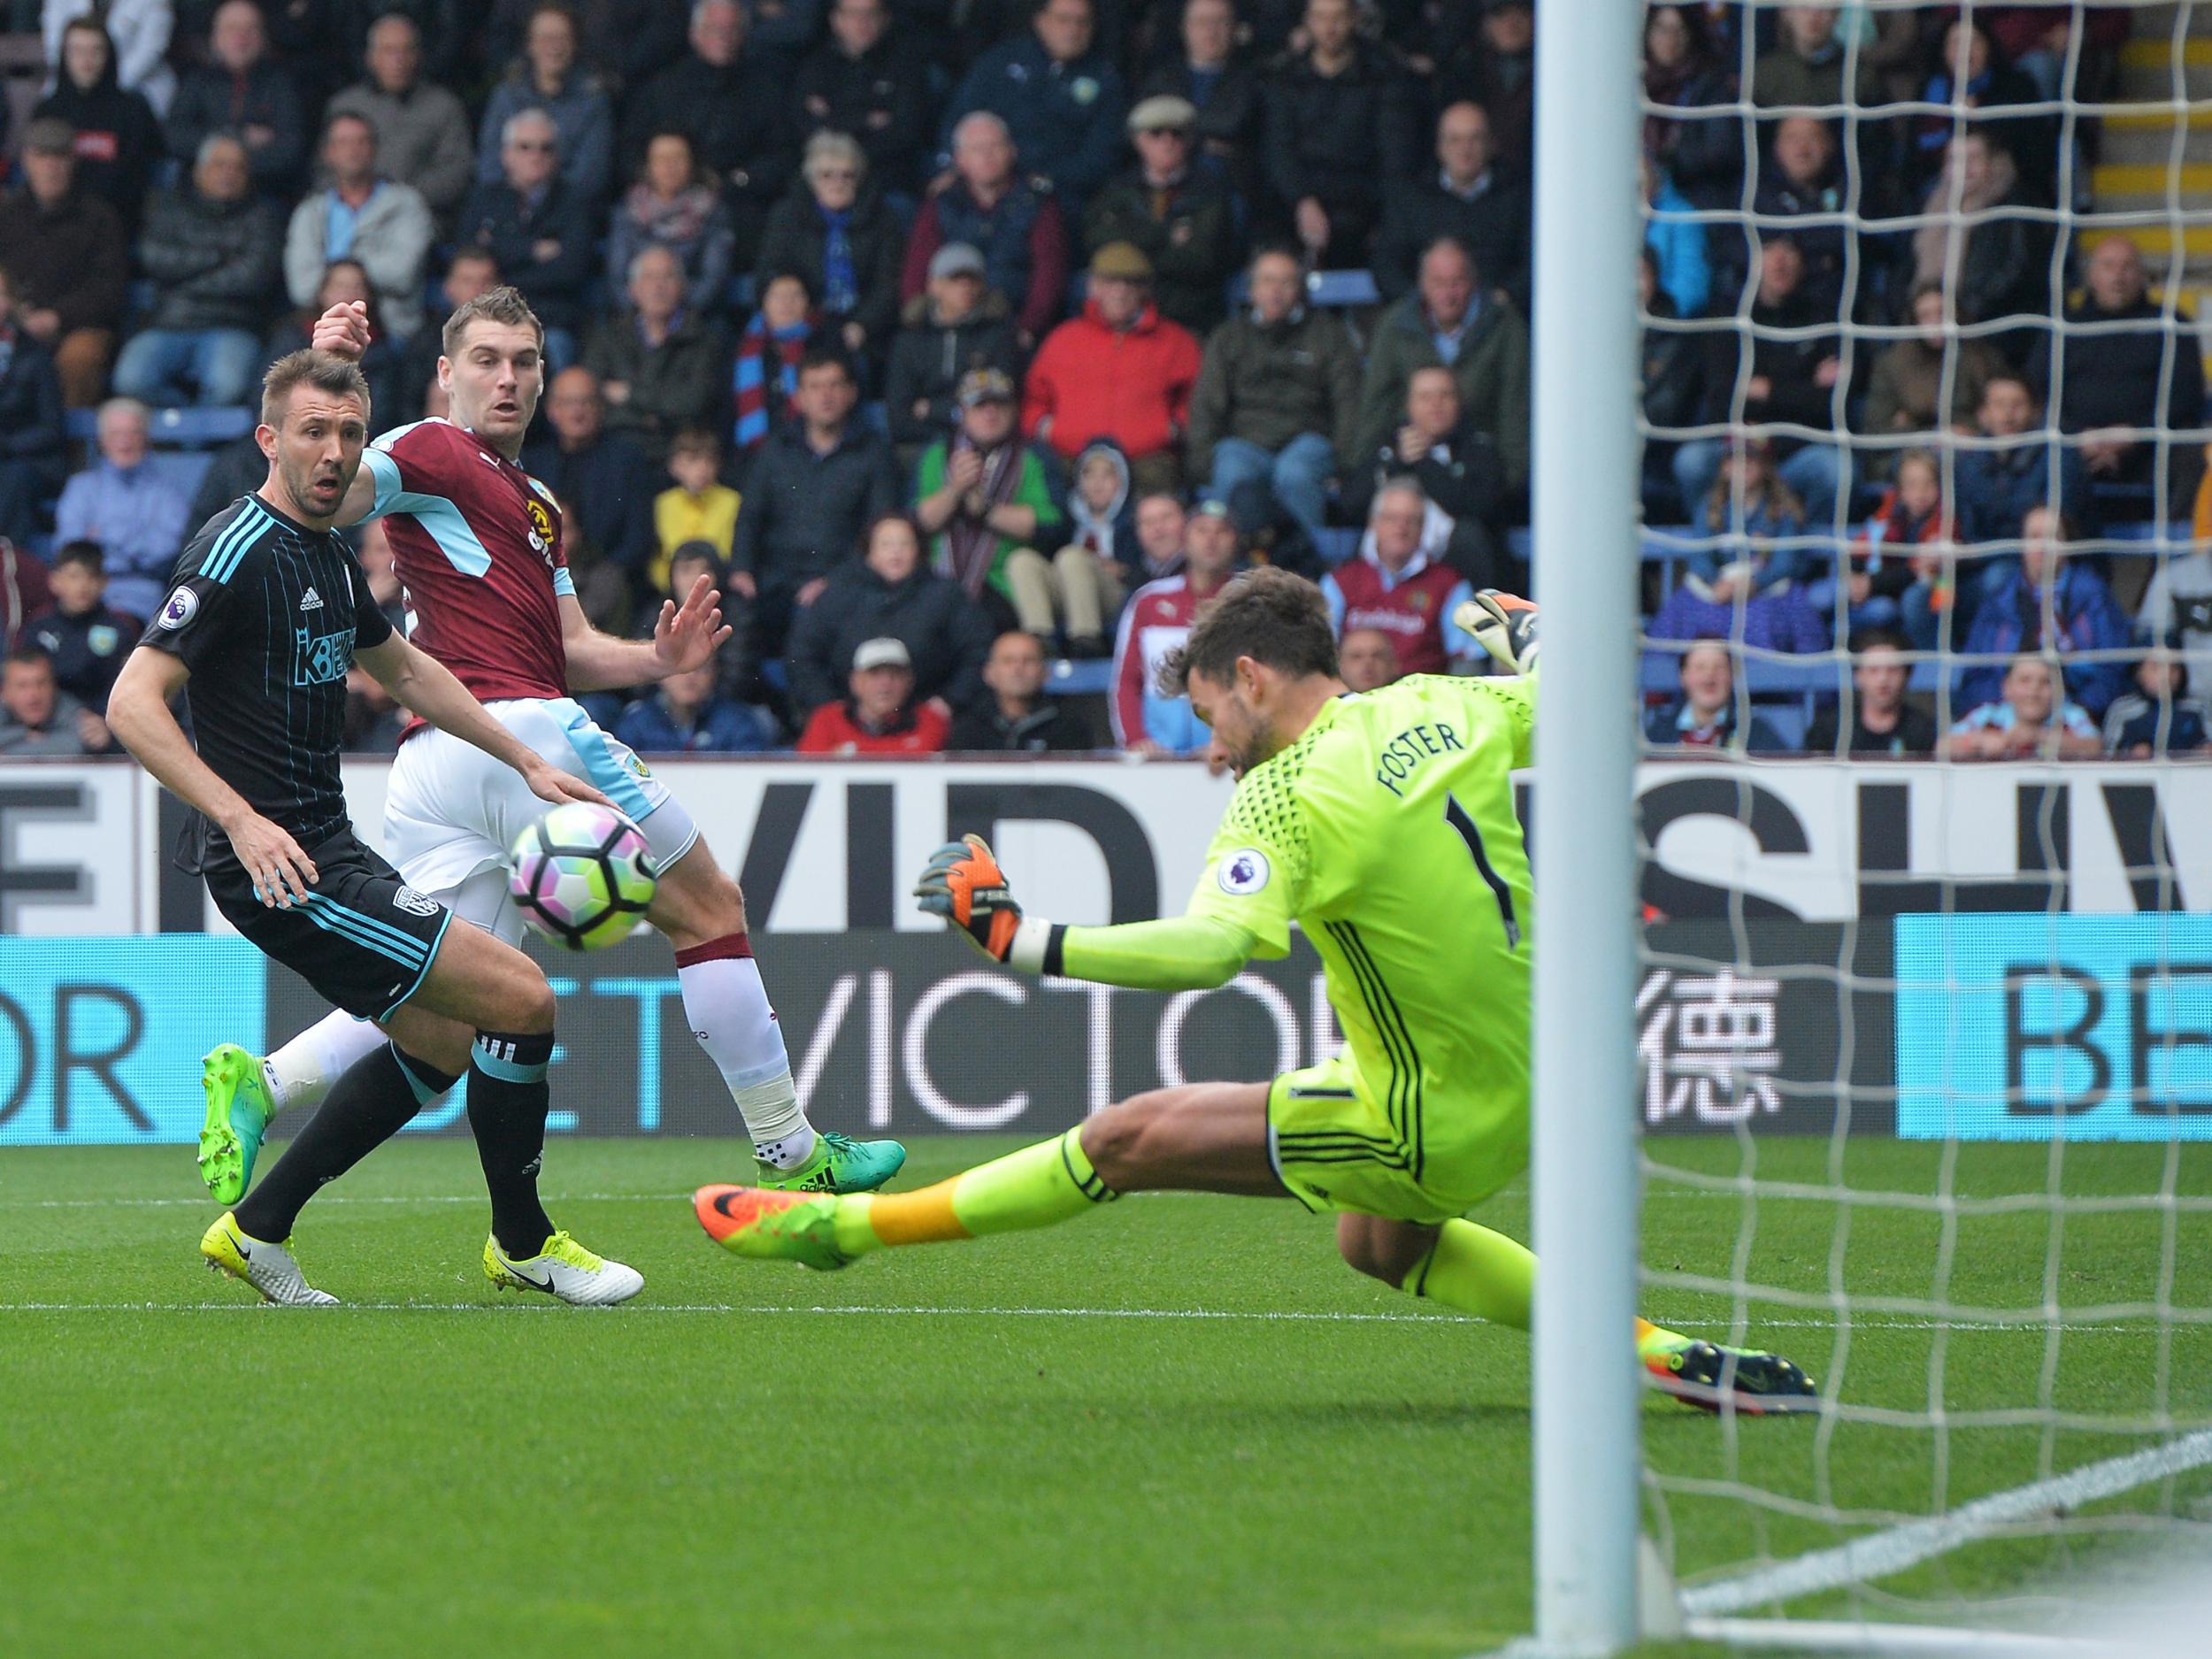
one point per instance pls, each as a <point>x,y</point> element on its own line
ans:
<point>311,600</point>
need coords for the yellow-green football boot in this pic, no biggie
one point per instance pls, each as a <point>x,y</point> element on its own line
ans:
<point>238,1114</point>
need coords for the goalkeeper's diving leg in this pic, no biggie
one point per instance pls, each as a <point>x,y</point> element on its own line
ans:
<point>1212,1138</point>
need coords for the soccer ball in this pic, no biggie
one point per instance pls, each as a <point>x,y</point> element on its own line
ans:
<point>582,875</point>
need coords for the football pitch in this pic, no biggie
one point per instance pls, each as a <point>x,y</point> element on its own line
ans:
<point>1178,1427</point>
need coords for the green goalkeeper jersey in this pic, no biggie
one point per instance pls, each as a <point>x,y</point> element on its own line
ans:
<point>1387,832</point>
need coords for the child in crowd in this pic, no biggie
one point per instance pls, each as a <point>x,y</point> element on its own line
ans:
<point>1704,715</point>
<point>2158,718</point>
<point>87,640</point>
<point>1752,517</point>
<point>1909,534</point>
<point>700,508</point>
<point>2029,721</point>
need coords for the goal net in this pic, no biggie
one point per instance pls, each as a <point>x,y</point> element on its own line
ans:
<point>1924,1043</point>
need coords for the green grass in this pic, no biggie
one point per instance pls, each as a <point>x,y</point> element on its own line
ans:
<point>731,1464</point>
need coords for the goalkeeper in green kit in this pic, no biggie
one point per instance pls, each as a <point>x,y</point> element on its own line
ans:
<point>1383,824</point>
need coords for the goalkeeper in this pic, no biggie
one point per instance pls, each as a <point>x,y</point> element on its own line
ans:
<point>1383,824</point>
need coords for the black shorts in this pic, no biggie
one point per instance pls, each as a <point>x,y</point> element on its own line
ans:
<point>364,938</point>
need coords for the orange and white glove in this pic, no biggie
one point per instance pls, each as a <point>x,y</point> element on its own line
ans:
<point>963,883</point>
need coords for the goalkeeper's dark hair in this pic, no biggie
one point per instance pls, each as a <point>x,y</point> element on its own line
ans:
<point>340,377</point>
<point>1268,615</point>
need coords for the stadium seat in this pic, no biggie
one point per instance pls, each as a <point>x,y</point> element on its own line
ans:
<point>176,428</point>
<point>1068,677</point>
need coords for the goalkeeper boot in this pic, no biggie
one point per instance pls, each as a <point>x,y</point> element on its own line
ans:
<point>838,1164</point>
<point>238,1113</point>
<point>1503,625</point>
<point>269,1269</point>
<point>566,1271</point>
<point>1706,1374</point>
<point>771,1226</point>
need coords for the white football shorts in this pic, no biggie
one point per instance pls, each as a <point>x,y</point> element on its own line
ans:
<point>451,811</point>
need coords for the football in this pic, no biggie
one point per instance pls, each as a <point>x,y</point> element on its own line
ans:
<point>583,875</point>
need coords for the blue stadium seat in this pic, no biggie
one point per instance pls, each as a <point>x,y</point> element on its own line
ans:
<point>176,428</point>
<point>1068,677</point>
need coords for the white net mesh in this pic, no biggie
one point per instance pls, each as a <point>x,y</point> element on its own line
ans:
<point>1924,416</point>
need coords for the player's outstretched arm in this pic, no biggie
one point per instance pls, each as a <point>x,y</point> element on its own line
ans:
<point>963,884</point>
<point>684,637</point>
<point>138,714</point>
<point>423,685</point>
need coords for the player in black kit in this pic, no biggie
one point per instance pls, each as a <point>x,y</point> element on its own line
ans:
<point>267,611</point>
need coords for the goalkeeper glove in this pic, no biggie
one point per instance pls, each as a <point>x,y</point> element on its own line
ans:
<point>1503,625</point>
<point>963,883</point>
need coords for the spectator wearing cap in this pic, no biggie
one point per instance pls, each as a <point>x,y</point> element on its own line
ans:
<point>363,216</point>
<point>1454,319</point>
<point>687,714</point>
<point>214,252</point>
<point>736,106</point>
<point>662,366</point>
<point>1219,82</point>
<point>813,488</point>
<point>1119,371</point>
<point>985,497</point>
<point>1012,221</point>
<point>1396,586</point>
<point>134,508</point>
<point>866,79</point>
<point>889,592</point>
<point>547,75</point>
<point>1339,125</point>
<point>2123,371</point>
<point>674,204</point>
<point>532,223</point>
<point>1016,717</point>
<point>69,258</point>
<point>31,430</point>
<point>878,715</point>
<point>1472,198</point>
<point>118,138</point>
<point>1278,398</point>
<point>1457,466</point>
<point>84,638</point>
<point>1157,620</point>
<point>1062,99</point>
<point>956,325</point>
<point>240,88</point>
<point>836,230</point>
<point>422,132</point>
<point>1174,207</point>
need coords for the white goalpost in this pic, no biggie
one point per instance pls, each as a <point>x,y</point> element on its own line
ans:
<point>1948,1026</point>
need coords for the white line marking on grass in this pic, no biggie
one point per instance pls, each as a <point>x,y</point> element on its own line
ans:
<point>1893,1551</point>
<point>1264,1316</point>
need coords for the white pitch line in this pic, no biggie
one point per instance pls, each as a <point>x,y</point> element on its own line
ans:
<point>1264,1316</point>
<point>1885,1553</point>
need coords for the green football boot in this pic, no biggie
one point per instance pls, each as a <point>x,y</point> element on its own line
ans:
<point>839,1164</point>
<point>238,1114</point>
<point>1708,1374</point>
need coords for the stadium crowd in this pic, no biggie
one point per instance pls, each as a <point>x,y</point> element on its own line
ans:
<point>955,340</point>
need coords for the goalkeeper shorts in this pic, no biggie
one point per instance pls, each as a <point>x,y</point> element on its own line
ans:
<point>1336,1149</point>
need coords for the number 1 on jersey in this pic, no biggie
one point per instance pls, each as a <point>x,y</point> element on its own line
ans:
<point>1455,815</point>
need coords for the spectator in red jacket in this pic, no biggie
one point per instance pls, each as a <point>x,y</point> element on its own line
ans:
<point>881,717</point>
<point>1119,371</point>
